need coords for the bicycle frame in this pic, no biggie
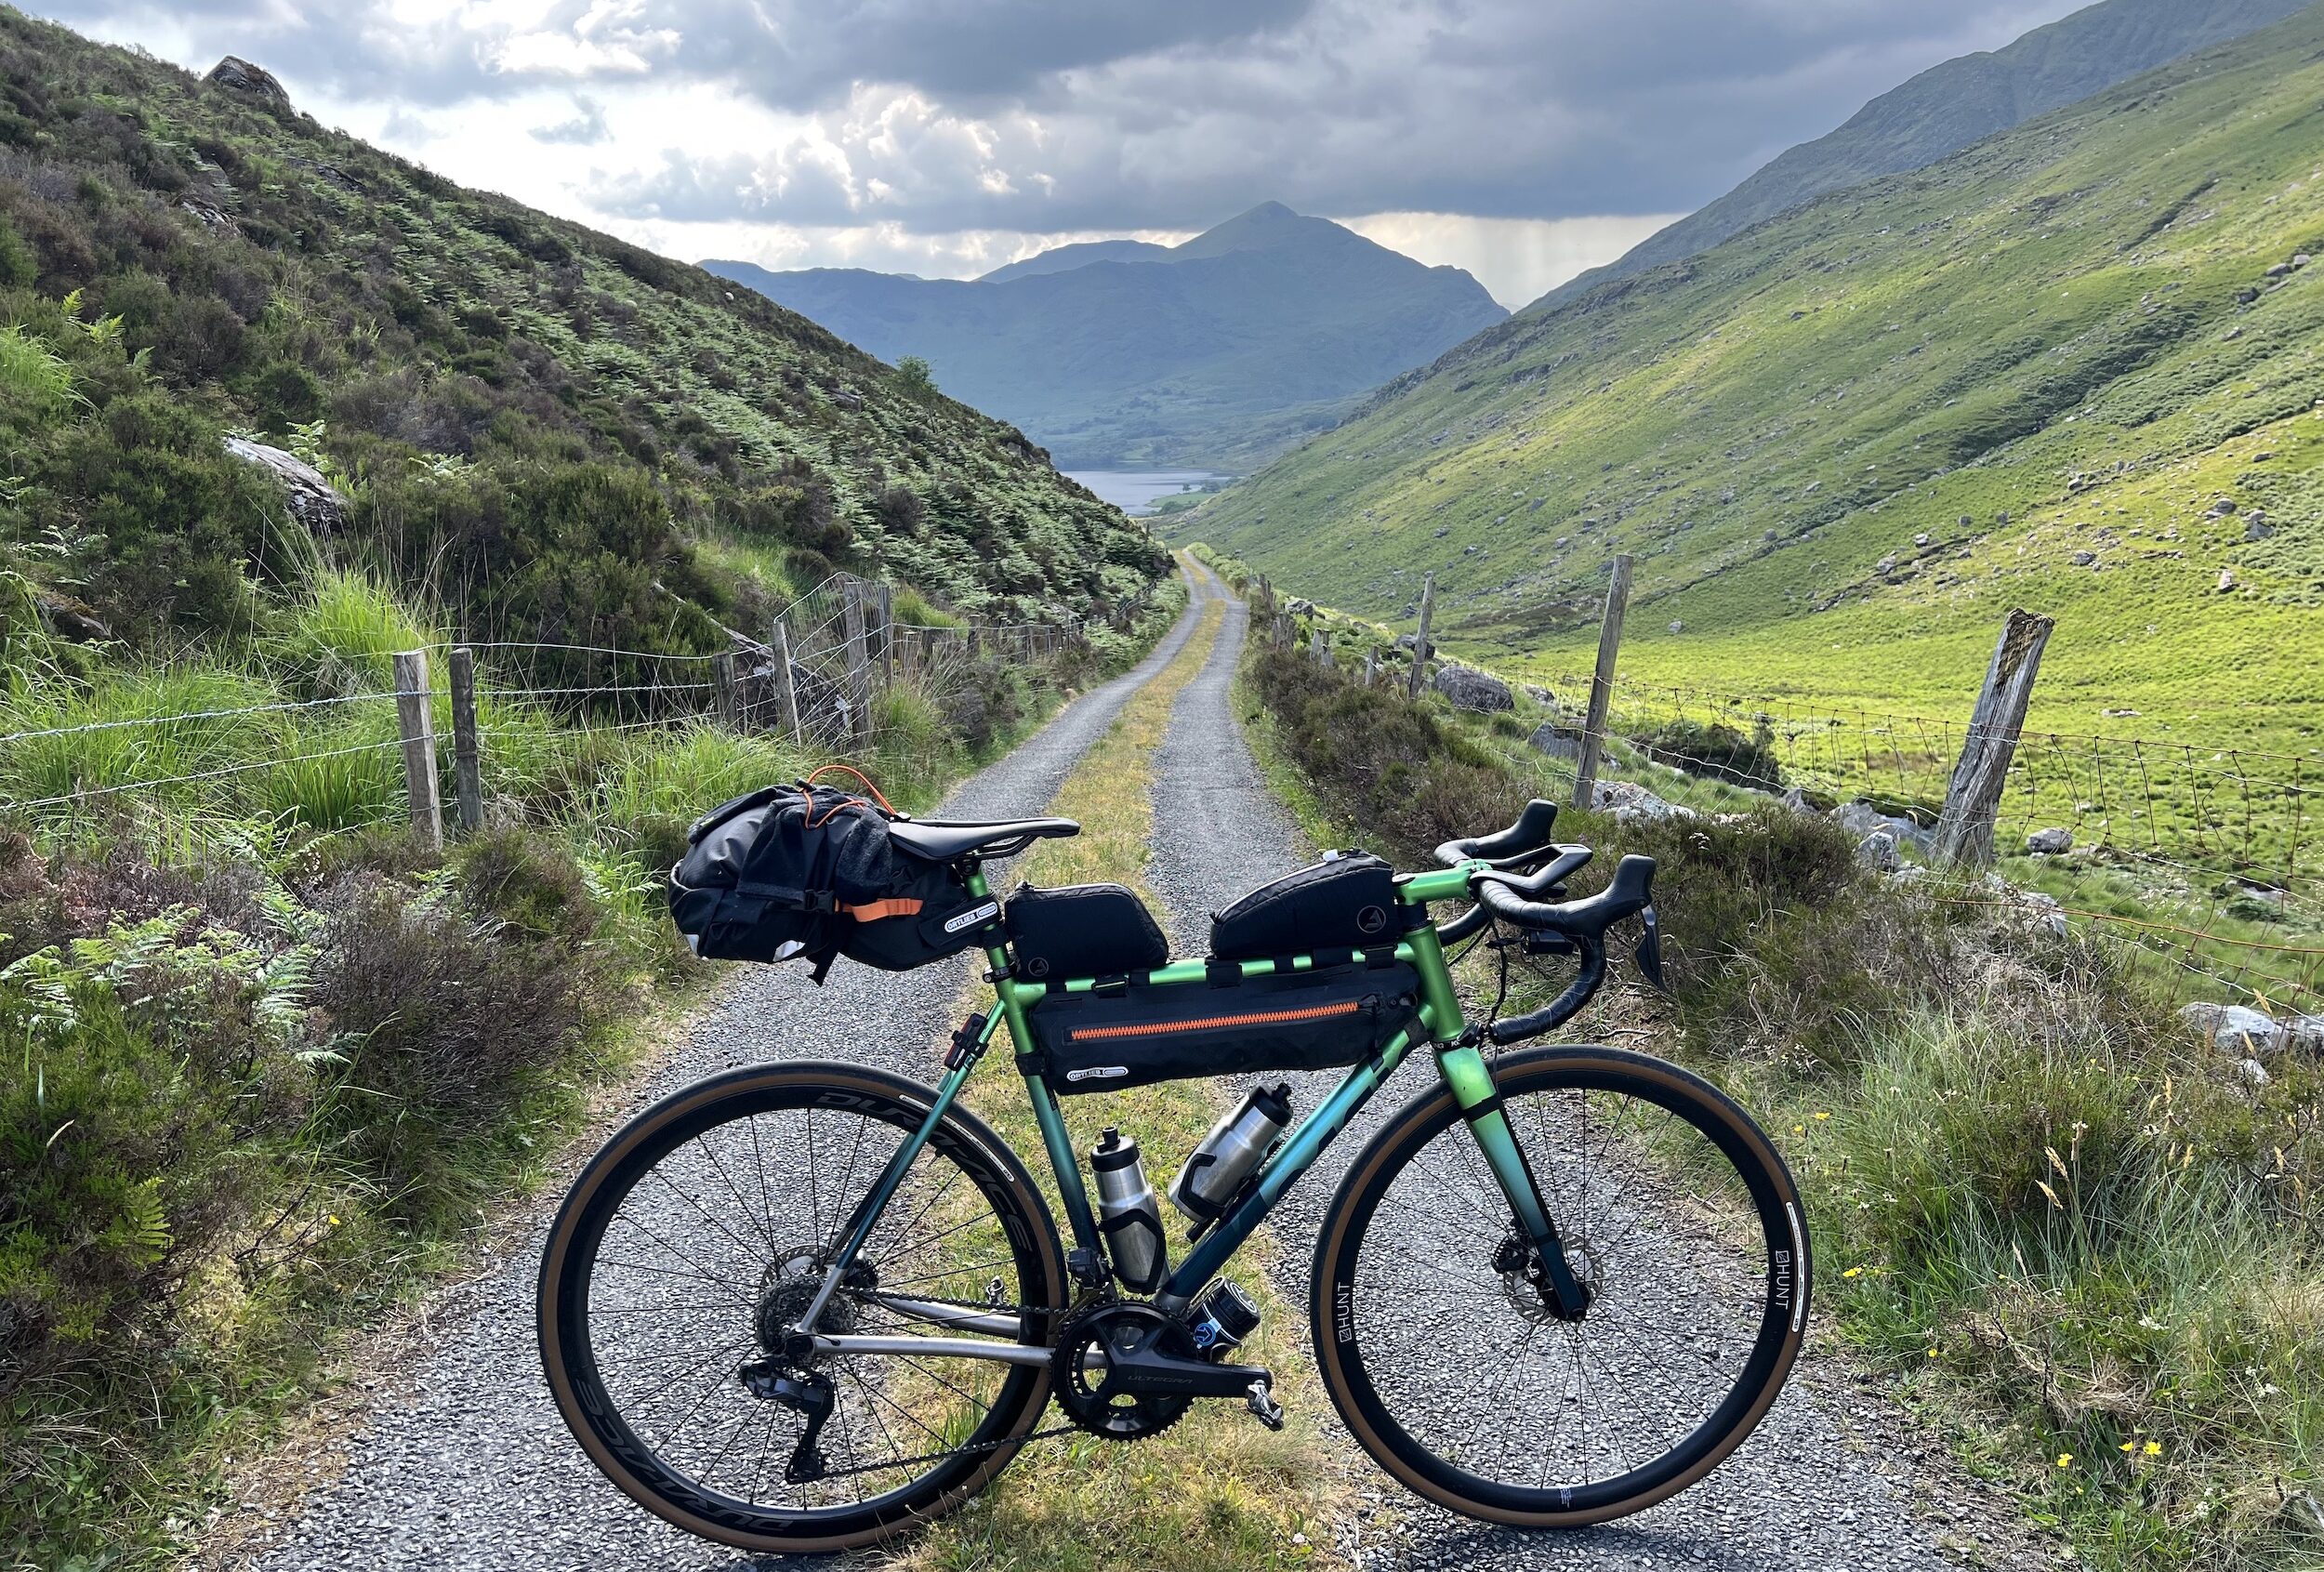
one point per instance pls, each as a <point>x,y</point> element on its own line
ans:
<point>1463,1068</point>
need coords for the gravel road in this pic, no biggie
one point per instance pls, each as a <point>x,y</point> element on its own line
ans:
<point>1797,1495</point>
<point>471,1468</point>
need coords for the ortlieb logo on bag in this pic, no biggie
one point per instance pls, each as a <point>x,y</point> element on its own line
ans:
<point>808,871</point>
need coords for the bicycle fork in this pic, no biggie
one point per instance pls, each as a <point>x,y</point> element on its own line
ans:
<point>1470,1080</point>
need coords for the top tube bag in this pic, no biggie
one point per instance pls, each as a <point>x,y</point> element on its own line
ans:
<point>1346,901</point>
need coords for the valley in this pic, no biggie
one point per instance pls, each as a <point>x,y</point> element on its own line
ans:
<point>2071,368</point>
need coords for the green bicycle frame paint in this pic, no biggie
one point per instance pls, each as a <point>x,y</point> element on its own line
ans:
<point>1464,1070</point>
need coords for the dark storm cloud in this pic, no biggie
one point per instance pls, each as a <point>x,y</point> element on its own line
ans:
<point>1049,115</point>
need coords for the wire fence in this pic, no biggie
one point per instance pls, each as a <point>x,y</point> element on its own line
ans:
<point>831,679</point>
<point>2206,859</point>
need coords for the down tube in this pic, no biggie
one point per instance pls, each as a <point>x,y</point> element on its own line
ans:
<point>1300,1149</point>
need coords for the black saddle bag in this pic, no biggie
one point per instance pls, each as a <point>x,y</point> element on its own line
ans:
<point>1082,931</point>
<point>1135,1034</point>
<point>1346,901</point>
<point>811,872</point>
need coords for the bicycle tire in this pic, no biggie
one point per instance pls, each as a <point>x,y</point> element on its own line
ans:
<point>595,1417</point>
<point>1352,1305</point>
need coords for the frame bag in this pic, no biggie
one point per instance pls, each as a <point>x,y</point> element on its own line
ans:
<point>1082,931</point>
<point>809,872</point>
<point>1134,1033</point>
<point>1346,901</point>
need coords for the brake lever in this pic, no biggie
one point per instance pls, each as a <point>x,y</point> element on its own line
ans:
<point>1649,952</point>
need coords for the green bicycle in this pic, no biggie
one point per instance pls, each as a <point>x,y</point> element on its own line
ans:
<point>808,1305</point>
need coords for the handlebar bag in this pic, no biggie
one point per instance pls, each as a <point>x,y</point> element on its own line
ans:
<point>809,872</point>
<point>1082,931</point>
<point>1135,1033</point>
<point>1346,901</point>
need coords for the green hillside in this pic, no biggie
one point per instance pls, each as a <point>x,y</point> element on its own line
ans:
<point>1949,105</point>
<point>534,422</point>
<point>1216,353</point>
<point>1842,443</point>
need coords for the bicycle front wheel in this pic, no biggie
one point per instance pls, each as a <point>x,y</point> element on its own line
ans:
<point>1678,1217</point>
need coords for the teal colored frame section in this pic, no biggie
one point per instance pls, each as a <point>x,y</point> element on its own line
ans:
<point>1464,1070</point>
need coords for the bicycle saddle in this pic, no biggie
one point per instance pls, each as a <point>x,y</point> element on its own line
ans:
<point>939,842</point>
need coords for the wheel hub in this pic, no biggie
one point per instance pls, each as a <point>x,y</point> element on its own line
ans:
<point>787,1290</point>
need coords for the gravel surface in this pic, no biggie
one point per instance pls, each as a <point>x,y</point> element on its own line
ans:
<point>1797,1495</point>
<point>473,1468</point>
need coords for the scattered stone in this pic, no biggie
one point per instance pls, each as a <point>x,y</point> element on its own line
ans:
<point>1627,801</point>
<point>1878,852</point>
<point>1886,564</point>
<point>2256,527</point>
<point>2003,517</point>
<point>1862,819</point>
<point>2300,259</point>
<point>2238,1028</point>
<point>2232,334</point>
<point>2279,270</point>
<point>1677,625</point>
<point>2084,559</point>
<point>1556,741</point>
<point>2120,714</point>
<point>1301,608</point>
<point>2226,580</point>
<point>2224,506</point>
<point>2254,1074</point>
<point>2050,842</point>
<point>242,77</point>
<point>1922,539</point>
<point>2245,296</point>
<point>2305,1034</point>
<point>1767,535</point>
<point>312,500</point>
<point>1472,689</point>
<point>1443,533</point>
<point>1796,800</point>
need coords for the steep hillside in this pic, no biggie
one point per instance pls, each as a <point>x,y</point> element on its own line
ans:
<point>2063,369</point>
<point>1949,106</point>
<point>1214,353</point>
<point>536,424</point>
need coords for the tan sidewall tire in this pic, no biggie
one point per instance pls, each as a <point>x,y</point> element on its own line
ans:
<point>1508,1073</point>
<point>693,1100</point>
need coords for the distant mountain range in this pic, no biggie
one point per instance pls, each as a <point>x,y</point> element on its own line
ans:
<point>2071,368</point>
<point>1219,353</point>
<point>1947,107</point>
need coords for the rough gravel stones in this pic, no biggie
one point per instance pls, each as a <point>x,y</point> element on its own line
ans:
<point>2050,842</point>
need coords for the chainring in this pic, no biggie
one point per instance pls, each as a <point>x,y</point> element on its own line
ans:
<point>1079,1371</point>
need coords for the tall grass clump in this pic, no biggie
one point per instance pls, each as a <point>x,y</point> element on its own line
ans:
<point>344,636</point>
<point>2083,1241</point>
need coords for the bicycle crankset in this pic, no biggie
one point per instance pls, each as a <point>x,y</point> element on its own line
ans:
<point>1127,1371</point>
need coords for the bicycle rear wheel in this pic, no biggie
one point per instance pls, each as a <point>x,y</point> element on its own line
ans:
<point>699,1234</point>
<point>1677,1215</point>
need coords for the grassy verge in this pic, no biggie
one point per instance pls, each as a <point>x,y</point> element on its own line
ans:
<point>272,1068</point>
<point>2084,1246</point>
<point>1216,1489</point>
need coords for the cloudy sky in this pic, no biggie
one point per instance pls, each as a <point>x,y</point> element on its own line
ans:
<point>1523,139</point>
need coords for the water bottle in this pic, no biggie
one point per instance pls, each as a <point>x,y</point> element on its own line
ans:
<point>1213,1176</point>
<point>1128,1217</point>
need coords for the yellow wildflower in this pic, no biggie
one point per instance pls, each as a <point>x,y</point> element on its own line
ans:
<point>2065,1457</point>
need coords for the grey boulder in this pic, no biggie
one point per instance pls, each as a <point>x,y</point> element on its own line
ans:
<point>1471,688</point>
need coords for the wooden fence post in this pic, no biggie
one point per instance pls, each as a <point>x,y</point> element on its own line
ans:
<point>723,683</point>
<point>858,660</point>
<point>1973,798</point>
<point>416,713</point>
<point>1602,685</point>
<point>1419,643</point>
<point>785,685</point>
<point>1322,651</point>
<point>467,779</point>
<point>887,635</point>
<point>1371,665</point>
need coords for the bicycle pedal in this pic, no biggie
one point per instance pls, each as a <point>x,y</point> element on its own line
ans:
<point>1263,1406</point>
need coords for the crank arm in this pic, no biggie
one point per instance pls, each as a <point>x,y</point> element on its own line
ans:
<point>1142,1372</point>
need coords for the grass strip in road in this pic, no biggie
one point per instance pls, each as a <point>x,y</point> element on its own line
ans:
<point>1217,1489</point>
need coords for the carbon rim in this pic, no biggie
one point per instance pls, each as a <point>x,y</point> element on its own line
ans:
<point>706,1455</point>
<point>1681,1216</point>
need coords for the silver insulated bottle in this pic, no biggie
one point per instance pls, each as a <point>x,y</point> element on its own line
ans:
<point>1128,1216</point>
<point>1207,1185</point>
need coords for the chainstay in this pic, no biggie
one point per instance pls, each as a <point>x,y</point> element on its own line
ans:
<point>972,1448</point>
